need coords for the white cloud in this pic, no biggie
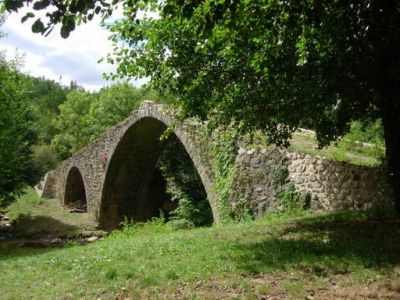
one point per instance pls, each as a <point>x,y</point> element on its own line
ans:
<point>53,57</point>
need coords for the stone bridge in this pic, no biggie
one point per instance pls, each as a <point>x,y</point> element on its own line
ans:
<point>114,175</point>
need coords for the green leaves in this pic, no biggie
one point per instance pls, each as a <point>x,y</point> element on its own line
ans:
<point>38,5</point>
<point>68,13</point>
<point>27,16</point>
<point>38,26</point>
<point>84,116</point>
<point>16,136</point>
<point>12,5</point>
<point>67,26</point>
<point>258,64</point>
<point>78,6</point>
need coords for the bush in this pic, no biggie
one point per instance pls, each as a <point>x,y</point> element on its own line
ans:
<point>184,184</point>
<point>131,228</point>
<point>190,214</point>
<point>43,160</point>
<point>365,139</point>
<point>292,201</point>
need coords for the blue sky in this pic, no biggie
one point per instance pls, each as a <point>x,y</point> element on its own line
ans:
<point>60,59</point>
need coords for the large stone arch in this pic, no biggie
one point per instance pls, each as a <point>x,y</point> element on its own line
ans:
<point>126,187</point>
<point>75,190</point>
<point>101,162</point>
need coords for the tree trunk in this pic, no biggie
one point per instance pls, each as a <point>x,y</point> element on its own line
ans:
<point>391,126</point>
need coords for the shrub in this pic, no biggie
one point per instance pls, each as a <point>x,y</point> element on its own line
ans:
<point>191,214</point>
<point>43,160</point>
<point>366,139</point>
<point>292,201</point>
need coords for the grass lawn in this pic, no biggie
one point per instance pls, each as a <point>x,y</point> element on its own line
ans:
<point>312,256</point>
<point>305,142</point>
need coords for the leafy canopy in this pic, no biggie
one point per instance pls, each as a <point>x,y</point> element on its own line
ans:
<point>16,136</point>
<point>84,116</point>
<point>270,65</point>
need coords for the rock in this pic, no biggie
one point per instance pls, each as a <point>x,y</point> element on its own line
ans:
<point>92,239</point>
<point>255,162</point>
<point>77,210</point>
<point>55,241</point>
<point>296,163</point>
<point>5,227</point>
<point>241,151</point>
<point>299,179</point>
<point>302,168</point>
<point>250,152</point>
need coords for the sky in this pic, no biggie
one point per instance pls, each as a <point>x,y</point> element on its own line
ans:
<point>63,60</point>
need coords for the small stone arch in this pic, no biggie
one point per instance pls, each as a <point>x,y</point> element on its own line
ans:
<point>127,185</point>
<point>75,191</point>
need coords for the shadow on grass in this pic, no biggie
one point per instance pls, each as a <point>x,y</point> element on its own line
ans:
<point>322,245</point>
<point>32,235</point>
<point>36,227</point>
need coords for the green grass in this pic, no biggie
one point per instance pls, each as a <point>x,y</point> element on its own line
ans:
<point>279,256</point>
<point>305,142</point>
<point>36,217</point>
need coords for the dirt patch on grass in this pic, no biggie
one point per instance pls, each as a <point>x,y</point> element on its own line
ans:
<point>288,286</point>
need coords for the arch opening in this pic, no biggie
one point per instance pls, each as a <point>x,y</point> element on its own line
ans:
<point>142,178</point>
<point>75,193</point>
<point>187,201</point>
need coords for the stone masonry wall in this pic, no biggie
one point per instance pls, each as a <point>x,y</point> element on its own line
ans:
<point>259,174</point>
<point>339,185</point>
<point>47,186</point>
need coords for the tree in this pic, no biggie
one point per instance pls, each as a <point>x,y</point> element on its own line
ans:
<point>84,116</point>
<point>112,105</point>
<point>16,136</point>
<point>71,124</point>
<point>268,65</point>
<point>45,96</point>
